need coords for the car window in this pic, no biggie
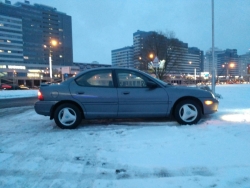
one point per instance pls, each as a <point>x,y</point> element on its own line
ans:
<point>101,78</point>
<point>131,79</point>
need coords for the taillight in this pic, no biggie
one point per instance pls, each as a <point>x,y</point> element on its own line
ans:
<point>40,96</point>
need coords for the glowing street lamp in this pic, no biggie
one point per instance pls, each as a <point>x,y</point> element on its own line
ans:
<point>151,55</point>
<point>228,66</point>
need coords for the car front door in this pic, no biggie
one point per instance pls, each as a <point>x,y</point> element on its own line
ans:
<point>97,94</point>
<point>137,99</point>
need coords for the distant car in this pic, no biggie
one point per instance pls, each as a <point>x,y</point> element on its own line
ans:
<point>5,86</point>
<point>121,93</point>
<point>23,87</point>
<point>10,87</point>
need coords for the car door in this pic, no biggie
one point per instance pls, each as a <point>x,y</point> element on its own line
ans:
<point>136,99</point>
<point>97,94</point>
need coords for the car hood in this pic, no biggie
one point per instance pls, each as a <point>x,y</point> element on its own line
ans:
<point>189,91</point>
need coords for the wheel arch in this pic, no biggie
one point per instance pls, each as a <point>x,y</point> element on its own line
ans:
<point>186,98</point>
<point>52,110</point>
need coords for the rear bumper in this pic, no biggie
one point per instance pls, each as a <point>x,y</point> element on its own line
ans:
<point>44,107</point>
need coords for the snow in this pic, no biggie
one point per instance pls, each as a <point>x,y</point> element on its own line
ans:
<point>34,152</point>
<point>7,94</point>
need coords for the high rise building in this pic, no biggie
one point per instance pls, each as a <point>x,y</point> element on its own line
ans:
<point>123,57</point>
<point>208,60</point>
<point>138,44</point>
<point>244,64</point>
<point>227,63</point>
<point>11,40</point>
<point>33,37</point>
<point>181,59</point>
<point>26,33</point>
<point>195,58</point>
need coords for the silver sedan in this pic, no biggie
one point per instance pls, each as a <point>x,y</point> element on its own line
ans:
<point>121,93</point>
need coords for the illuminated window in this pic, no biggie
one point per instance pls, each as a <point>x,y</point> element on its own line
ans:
<point>2,66</point>
<point>9,51</point>
<point>8,41</point>
<point>1,51</point>
<point>60,29</point>
<point>1,24</point>
<point>60,56</point>
<point>25,57</point>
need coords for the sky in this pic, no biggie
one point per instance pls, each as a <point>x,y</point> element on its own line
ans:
<point>100,26</point>
<point>34,152</point>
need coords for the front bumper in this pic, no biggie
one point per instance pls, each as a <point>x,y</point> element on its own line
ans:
<point>211,108</point>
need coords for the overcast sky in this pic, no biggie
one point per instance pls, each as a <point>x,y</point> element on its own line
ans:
<point>100,26</point>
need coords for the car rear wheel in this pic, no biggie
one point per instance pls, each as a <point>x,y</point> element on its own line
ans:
<point>187,112</point>
<point>67,116</point>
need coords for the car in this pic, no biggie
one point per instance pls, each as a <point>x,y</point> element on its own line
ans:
<point>121,93</point>
<point>10,87</point>
<point>5,86</point>
<point>23,87</point>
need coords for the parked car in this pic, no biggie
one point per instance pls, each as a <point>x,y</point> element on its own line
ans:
<point>121,93</point>
<point>23,87</point>
<point>11,87</point>
<point>5,86</point>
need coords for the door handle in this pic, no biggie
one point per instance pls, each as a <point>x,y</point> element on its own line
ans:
<point>80,93</point>
<point>126,92</point>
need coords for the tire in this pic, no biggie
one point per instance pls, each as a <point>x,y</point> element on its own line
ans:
<point>67,116</point>
<point>187,112</point>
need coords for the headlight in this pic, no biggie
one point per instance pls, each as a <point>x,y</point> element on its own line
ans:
<point>208,102</point>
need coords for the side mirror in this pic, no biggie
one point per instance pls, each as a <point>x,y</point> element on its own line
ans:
<point>151,84</point>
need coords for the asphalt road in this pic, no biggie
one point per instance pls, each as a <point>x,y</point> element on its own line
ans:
<point>17,102</point>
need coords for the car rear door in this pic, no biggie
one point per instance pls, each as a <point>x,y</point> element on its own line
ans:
<point>136,99</point>
<point>97,94</point>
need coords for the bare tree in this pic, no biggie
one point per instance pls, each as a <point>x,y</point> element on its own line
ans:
<point>169,50</point>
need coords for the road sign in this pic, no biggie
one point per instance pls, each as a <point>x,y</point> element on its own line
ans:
<point>156,62</point>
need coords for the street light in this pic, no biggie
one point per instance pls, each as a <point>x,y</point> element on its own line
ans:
<point>190,62</point>
<point>53,42</point>
<point>14,74</point>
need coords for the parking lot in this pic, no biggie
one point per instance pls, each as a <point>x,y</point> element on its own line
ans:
<point>34,152</point>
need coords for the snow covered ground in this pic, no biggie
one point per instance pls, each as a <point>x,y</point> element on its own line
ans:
<point>34,152</point>
<point>7,94</point>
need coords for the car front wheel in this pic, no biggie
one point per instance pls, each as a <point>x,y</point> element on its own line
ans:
<point>187,112</point>
<point>67,116</point>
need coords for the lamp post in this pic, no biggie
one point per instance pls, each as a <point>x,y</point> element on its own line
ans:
<point>213,63</point>
<point>53,42</point>
<point>190,62</point>
<point>14,74</point>
<point>228,66</point>
<point>155,63</point>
